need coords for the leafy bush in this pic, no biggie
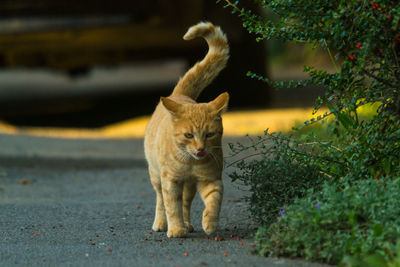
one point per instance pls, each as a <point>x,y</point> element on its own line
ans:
<point>326,128</point>
<point>363,41</point>
<point>281,172</point>
<point>357,210</point>
<point>375,259</point>
<point>358,219</point>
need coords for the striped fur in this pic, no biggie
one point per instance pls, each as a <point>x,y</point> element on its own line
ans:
<point>205,71</point>
<point>183,143</point>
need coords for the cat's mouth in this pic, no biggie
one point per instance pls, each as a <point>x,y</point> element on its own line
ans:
<point>199,154</point>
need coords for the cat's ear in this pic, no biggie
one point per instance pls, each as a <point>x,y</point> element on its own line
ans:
<point>173,107</point>
<point>219,104</point>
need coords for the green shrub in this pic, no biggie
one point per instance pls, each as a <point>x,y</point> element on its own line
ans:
<point>375,260</point>
<point>355,215</point>
<point>363,41</point>
<point>358,219</point>
<point>325,129</point>
<point>281,172</point>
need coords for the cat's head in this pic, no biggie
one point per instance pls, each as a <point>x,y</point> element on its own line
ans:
<point>197,128</point>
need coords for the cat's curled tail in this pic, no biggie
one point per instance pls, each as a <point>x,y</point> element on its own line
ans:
<point>205,71</point>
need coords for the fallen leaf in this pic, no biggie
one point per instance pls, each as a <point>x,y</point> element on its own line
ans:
<point>24,181</point>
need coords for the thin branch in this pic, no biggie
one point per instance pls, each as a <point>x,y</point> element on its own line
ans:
<point>246,157</point>
<point>395,55</point>
<point>376,77</point>
<point>314,143</point>
<point>245,148</point>
<point>330,55</point>
<point>322,158</point>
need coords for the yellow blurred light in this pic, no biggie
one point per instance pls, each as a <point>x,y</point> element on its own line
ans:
<point>236,123</point>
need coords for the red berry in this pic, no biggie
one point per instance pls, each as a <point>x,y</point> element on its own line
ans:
<point>109,249</point>
<point>186,254</point>
<point>241,243</point>
<point>359,45</point>
<point>225,254</point>
<point>238,238</point>
<point>207,237</point>
<point>36,234</point>
<point>351,57</point>
<point>138,206</point>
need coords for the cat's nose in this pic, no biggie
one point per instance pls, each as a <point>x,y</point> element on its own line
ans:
<point>200,153</point>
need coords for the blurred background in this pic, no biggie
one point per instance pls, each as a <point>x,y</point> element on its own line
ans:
<point>91,64</point>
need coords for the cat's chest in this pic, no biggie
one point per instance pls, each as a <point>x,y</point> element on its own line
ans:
<point>197,171</point>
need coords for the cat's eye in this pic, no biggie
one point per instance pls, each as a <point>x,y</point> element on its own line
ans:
<point>209,135</point>
<point>188,135</point>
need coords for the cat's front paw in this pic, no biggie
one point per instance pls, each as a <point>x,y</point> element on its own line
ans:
<point>177,232</point>
<point>160,226</point>
<point>210,227</point>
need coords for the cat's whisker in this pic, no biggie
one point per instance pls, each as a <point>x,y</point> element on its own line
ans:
<point>186,155</point>
<point>215,159</point>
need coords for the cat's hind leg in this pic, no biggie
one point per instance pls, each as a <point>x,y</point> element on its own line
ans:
<point>211,193</point>
<point>189,191</point>
<point>160,219</point>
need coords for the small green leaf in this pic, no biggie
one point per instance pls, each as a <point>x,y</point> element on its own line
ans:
<point>376,260</point>
<point>352,261</point>
<point>377,230</point>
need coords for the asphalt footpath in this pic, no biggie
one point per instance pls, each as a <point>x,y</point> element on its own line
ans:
<point>89,202</point>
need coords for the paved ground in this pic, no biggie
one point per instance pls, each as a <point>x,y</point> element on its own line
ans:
<point>90,203</point>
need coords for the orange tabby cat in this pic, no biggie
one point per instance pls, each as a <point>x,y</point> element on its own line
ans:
<point>183,142</point>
